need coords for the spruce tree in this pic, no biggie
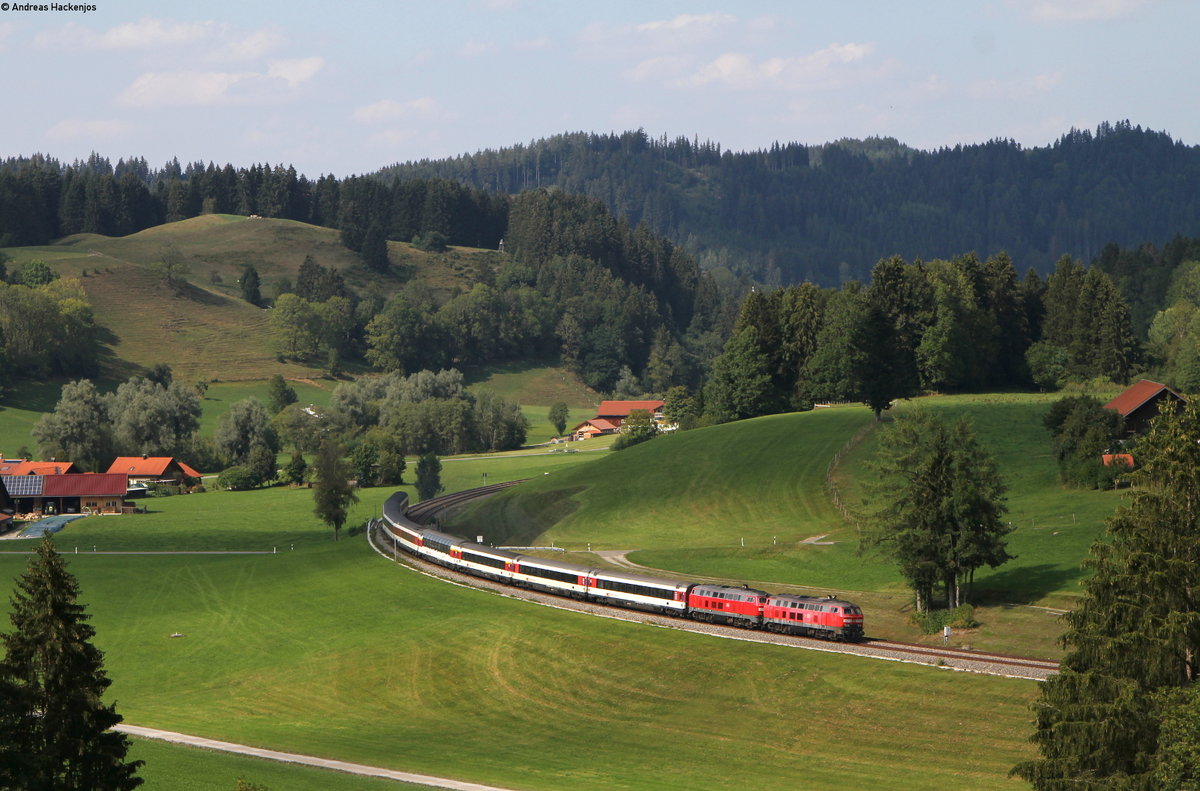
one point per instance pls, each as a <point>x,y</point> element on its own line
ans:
<point>51,683</point>
<point>1133,641</point>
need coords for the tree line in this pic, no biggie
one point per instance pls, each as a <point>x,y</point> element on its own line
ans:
<point>792,212</point>
<point>939,326</point>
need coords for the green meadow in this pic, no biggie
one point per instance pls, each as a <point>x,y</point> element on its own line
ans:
<point>737,502</point>
<point>334,651</point>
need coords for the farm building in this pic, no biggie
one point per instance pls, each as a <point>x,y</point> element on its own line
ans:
<point>1142,402</point>
<point>154,469</point>
<point>593,428</point>
<point>23,467</point>
<point>7,507</point>
<point>612,414</point>
<point>95,493</point>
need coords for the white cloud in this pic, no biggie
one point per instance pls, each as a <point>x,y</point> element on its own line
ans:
<point>665,68</point>
<point>424,108</point>
<point>1020,88</point>
<point>1078,10</point>
<point>681,33</point>
<point>816,70</point>
<point>215,41</point>
<point>277,85</point>
<point>77,128</point>
<point>181,88</point>
<point>296,71</point>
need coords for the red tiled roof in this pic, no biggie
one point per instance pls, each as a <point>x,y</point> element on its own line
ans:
<point>1124,459</point>
<point>141,465</point>
<point>623,408</point>
<point>1137,395</point>
<point>149,466</point>
<point>101,484</point>
<point>22,467</point>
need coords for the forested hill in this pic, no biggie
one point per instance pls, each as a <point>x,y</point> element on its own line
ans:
<point>829,213</point>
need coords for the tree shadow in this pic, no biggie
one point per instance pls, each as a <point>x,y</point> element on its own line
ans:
<point>1024,585</point>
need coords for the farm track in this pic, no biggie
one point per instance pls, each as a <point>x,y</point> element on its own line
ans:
<point>945,658</point>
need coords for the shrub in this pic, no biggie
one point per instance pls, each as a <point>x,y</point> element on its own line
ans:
<point>236,478</point>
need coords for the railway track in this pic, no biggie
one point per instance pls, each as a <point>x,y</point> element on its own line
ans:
<point>913,653</point>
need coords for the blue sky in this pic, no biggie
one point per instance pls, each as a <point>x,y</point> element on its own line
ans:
<point>349,87</point>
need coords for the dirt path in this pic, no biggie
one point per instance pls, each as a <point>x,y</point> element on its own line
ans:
<point>306,760</point>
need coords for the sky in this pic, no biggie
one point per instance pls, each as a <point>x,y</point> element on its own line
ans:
<point>348,87</point>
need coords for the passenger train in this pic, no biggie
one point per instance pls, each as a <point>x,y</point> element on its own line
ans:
<point>811,616</point>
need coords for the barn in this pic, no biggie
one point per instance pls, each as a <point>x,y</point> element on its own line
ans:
<point>1143,402</point>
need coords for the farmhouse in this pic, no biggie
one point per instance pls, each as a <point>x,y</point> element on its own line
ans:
<point>83,493</point>
<point>1142,402</point>
<point>612,414</point>
<point>154,469</point>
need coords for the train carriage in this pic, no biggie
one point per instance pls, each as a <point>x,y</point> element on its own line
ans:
<point>550,575</point>
<point>740,606</point>
<point>635,590</point>
<point>811,616</point>
<point>489,562</point>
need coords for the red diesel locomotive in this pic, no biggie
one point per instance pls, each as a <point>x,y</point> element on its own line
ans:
<point>829,618</point>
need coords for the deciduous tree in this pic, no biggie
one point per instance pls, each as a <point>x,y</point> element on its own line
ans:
<point>429,476</point>
<point>559,414</point>
<point>332,493</point>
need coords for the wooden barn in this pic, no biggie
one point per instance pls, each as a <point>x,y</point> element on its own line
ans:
<point>1143,402</point>
<point>165,470</point>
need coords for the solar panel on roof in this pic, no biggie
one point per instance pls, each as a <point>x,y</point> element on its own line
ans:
<point>23,485</point>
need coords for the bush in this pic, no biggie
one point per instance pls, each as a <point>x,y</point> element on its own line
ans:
<point>236,478</point>
<point>932,622</point>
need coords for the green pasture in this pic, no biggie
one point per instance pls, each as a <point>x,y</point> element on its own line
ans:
<point>736,502</point>
<point>334,651</point>
<point>537,382</point>
<point>172,767</point>
<point>713,487</point>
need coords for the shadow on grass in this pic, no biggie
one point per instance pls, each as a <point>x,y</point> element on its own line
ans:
<point>1024,585</point>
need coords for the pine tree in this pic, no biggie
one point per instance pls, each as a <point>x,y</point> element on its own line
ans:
<point>1133,641</point>
<point>51,681</point>
<point>251,284</point>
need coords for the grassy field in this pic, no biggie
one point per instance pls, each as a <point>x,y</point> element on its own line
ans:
<point>206,329</point>
<point>331,650</point>
<point>736,502</point>
<point>172,767</point>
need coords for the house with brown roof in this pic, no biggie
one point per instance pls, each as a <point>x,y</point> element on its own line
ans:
<point>594,427</point>
<point>1142,402</point>
<point>165,470</point>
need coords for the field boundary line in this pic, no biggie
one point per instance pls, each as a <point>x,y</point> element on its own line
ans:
<point>303,760</point>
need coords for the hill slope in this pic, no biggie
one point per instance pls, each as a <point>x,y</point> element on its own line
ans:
<point>206,330</point>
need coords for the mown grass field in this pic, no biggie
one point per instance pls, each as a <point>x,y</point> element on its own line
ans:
<point>172,767</point>
<point>332,650</point>
<point>732,502</point>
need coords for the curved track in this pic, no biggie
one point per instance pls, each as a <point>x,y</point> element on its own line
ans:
<point>948,658</point>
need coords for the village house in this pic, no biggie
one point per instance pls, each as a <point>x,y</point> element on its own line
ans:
<point>163,470</point>
<point>1143,402</point>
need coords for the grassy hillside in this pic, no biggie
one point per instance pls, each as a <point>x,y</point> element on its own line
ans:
<point>736,502</point>
<point>206,330</point>
<point>331,650</point>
